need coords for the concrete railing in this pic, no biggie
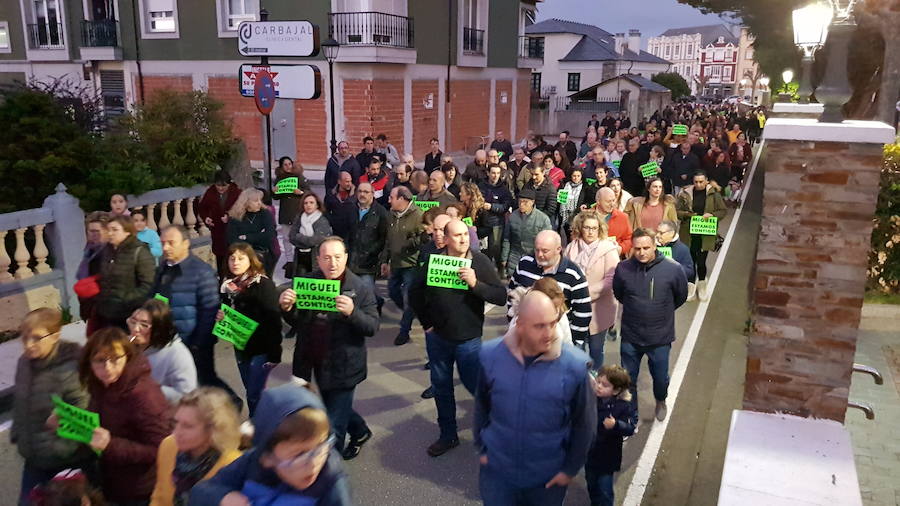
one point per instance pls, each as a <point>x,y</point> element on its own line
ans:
<point>172,206</point>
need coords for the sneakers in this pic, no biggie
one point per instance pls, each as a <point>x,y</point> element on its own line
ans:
<point>355,445</point>
<point>441,447</point>
<point>612,334</point>
<point>661,410</point>
<point>401,339</point>
<point>701,290</point>
<point>692,292</point>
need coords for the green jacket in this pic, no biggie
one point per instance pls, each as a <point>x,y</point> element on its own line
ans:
<point>126,278</point>
<point>404,236</point>
<point>36,381</point>
<point>684,207</point>
<point>518,237</point>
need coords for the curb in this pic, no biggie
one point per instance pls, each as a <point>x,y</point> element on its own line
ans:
<point>881,311</point>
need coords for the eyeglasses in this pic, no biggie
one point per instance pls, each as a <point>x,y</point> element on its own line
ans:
<point>102,362</point>
<point>306,458</point>
<point>592,229</point>
<point>133,322</point>
<point>35,340</point>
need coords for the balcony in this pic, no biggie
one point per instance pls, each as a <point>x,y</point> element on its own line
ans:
<point>473,41</point>
<point>374,37</point>
<point>99,40</point>
<point>46,36</point>
<point>531,52</point>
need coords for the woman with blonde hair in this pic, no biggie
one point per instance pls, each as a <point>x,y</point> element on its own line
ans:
<point>549,287</point>
<point>205,439</point>
<point>250,222</point>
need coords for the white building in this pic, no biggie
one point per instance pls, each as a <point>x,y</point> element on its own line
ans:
<point>577,56</point>
<point>683,47</point>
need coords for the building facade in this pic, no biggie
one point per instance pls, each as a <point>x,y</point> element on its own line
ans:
<point>402,68</point>
<point>577,56</point>
<point>685,47</point>
<point>749,76</point>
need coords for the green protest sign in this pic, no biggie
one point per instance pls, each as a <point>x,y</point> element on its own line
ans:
<point>590,181</point>
<point>415,198</point>
<point>562,196</point>
<point>234,328</point>
<point>468,221</point>
<point>700,226</point>
<point>665,250</point>
<point>679,130</point>
<point>426,204</point>
<point>286,185</point>
<point>649,169</point>
<point>317,294</point>
<point>617,163</point>
<point>74,423</point>
<point>443,271</point>
<point>162,298</point>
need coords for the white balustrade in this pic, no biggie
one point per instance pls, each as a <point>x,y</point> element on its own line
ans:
<point>22,256</point>
<point>164,215</point>
<point>151,217</point>
<point>40,251</point>
<point>191,219</point>
<point>5,261</point>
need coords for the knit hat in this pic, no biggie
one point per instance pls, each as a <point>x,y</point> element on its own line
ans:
<point>527,193</point>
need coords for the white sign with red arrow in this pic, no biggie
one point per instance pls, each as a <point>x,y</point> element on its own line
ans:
<point>291,81</point>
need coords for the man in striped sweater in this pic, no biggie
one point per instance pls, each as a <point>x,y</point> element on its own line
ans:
<point>548,261</point>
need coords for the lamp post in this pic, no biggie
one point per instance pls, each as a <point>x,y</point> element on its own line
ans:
<point>810,31</point>
<point>764,82</point>
<point>331,48</point>
<point>786,77</point>
<point>835,90</point>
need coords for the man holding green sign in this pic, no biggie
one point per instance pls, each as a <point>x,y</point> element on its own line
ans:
<point>331,342</point>
<point>699,209</point>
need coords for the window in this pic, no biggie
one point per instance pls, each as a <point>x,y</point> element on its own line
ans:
<point>574,81</point>
<point>668,50</point>
<point>677,53</point>
<point>536,82</point>
<point>719,55</point>
<point>47,30</point>
<point>687,71</point>
<point>238,11</point>
<point>4,38</point>
<point>162,21</point>
<point>728,54</point>
<point>748,55</point>
<point>470,13</point>
<point>159,19</point>
<point>689,50</point>
<point>727,74</point>
<point>716,71</point>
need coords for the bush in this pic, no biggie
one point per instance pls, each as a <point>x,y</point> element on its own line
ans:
<point>674,82</point>
<point>884,257</point>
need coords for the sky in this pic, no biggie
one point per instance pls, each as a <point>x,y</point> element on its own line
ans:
<point>651,17</point>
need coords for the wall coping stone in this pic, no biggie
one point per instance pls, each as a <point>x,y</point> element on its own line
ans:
<point>804,129</point>
<point>792,108</point>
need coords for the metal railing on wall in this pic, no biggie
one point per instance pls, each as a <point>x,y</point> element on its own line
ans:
<point>371,29</point>
<point>473,41</point>
<point>99,33</point>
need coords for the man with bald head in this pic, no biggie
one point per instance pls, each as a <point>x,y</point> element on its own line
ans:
<point>533,439</point>
<point>549,261</point>
<point>617,223</point>
<point>437,190</point>
<point>476,171</point>
<point>453,319</point>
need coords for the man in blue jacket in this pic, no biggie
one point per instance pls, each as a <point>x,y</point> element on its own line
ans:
<point>535,412</point>
<point>192,289</point>
<point>650,288</point>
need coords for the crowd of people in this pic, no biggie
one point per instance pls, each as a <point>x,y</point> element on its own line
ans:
<point>582,244</point>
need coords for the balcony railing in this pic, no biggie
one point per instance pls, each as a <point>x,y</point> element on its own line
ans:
<point>100,33</point>
<point>531,47</point>
<point>46,36</point>
<point>473,41</point>
<point>371,29</point>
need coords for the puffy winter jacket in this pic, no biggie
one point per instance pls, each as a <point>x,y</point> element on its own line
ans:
<point>649,293</point>
<point>192,288</point>
<point>125,279</point>
<point>368,238</point>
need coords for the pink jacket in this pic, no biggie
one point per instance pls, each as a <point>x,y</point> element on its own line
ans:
<point>599,268</point>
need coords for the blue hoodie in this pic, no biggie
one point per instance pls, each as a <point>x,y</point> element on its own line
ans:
<point>260,484</point>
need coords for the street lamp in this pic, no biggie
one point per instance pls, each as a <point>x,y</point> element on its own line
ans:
<point>834,91</point>
<point>810,31</point>
<point>331,48</point>
<point>786,77</point>
<point>764,81</point>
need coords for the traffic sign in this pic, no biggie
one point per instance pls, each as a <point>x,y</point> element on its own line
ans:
<point>264,92</point>
<point>278,38</point>
<point>291,81</point>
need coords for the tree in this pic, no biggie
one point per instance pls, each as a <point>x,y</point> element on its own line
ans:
<point>674,82</point>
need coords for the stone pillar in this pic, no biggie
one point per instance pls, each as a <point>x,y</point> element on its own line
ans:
<point>66,238</point>
<point>821,186</point>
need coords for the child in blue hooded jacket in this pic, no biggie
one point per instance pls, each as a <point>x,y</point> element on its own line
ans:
<point>292,462</point>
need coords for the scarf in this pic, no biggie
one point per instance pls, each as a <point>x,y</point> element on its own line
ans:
<point>189,471</point>
<point>234,286</point>
<point>585,253</point>
<point>567,210</point>
<point>306,225</point>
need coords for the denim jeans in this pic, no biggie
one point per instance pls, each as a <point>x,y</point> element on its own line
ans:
<point>398,290</point>
<point>595,345</point>
<point>254,375</point>
<point>339,404</point>
<point>442,354</point>
<point>495,491</point>
<point>657,360</point>
<point>369,279</point>
<point>600,488</point>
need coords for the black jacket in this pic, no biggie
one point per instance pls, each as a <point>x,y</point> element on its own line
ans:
<point>545,197</point>
<point>605,456</point>
<point>681,165</point>
<point>258,228</point>
<point>499,198</point>
<point>259,302</point>
<point>338,359</point>
<point>649,293</point>
<point>341,214</point>
<point>367,240</point>
<point>630,172</point>
<point>126,277</point>
<point>432,162</point>
<point>457,315</point>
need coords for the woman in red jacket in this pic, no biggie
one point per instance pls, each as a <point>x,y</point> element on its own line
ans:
<point>134,415</point>
<point>740,154</point>
<point>213,210</point>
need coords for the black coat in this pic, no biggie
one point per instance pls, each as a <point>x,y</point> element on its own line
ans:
<point>258,228</point>
<point>259,302</point>
<point>126,278</point>
<point>342,214</point>
<point>630,172</point>
<point>605,456</point>
<point>499,198</point>
<point>290,202</point>
<point>338,357</point>
<point>545,197</point>
<point>367,240</point>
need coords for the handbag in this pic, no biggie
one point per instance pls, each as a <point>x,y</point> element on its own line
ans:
<point>88,287</point>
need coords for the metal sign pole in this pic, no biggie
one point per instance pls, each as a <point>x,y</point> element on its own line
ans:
<point>264,16</point>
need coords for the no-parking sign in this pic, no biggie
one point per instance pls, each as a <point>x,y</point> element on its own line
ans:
<point>264,92</point>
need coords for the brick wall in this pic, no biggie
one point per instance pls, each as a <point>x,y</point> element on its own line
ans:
<point>312,131</point>
<point>504,111</point>
<point>425,121</point>
<point>246,119</point>
<point>523,107</point>
<point>470,105</point>
<point>373,107</point>
<point>810,276</point>
<point>154,84</point>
